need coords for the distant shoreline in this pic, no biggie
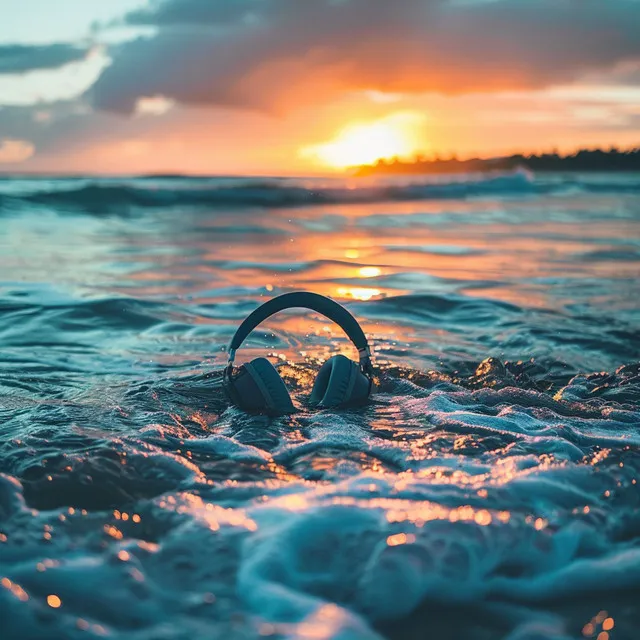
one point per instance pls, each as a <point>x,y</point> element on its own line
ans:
<point>583,161</point>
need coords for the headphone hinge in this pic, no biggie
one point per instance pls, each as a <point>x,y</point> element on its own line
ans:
<point>365,360</point>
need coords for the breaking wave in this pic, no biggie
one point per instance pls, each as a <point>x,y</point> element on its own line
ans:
<point>114,195</point>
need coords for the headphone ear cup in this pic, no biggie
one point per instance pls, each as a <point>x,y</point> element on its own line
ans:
<point>338,382</point>
<point>259,387</point>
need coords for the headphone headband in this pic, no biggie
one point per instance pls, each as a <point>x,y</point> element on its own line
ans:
<point>306,300</point>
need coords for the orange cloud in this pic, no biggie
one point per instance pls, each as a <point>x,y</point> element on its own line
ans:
<point>280,54</point>
<point>15,151</point>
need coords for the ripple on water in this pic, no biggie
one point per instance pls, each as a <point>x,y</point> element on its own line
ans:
<point>484,496</point>
<point>489,489</point>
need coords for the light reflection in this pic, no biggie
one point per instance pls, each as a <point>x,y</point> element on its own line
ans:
<point>483,518</point>
<point>136,574</point>
<point>321,263</point>
<point>48,563</point>
<point>112,531</point>
<point>213,515</point>
<point>590,629</point>
<point>369,272</point>
<point>540,524</point>
<point>15,589</point>
<point>203,420</point>
<point>400,538</point>
<point>293,502</point>
<point>358,293</point>
<point>54,601</point>
<point>504,254</point>
<point>325,622</point>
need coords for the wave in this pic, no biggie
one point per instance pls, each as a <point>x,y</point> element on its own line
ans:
<point>447,498</point>
<point>108,196</point>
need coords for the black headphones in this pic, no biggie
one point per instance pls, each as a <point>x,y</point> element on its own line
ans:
<point>257,386</point>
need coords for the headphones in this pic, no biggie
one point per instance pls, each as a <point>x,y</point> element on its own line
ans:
<point>258,387</point>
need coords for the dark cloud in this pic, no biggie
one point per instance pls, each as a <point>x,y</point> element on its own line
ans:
<point>198,12</point>
<point>275,54</point>
<point>19,58</point>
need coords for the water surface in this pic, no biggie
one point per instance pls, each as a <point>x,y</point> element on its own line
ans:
<point>489,490</point>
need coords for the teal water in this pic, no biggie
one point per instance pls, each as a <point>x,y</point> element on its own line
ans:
<point>489,490</point>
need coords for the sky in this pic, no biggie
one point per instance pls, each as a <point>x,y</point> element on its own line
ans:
<point>295,87</point>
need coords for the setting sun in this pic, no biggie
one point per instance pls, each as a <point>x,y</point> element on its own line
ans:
<point>366,142</point>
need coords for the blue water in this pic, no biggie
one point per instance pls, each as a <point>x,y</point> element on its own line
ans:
<point>488,491</point>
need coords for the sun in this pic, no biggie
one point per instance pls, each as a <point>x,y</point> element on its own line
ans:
<point>363,144</point>
<point>366,142</point>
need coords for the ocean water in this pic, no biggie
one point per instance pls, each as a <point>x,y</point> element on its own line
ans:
<point>488,491</point>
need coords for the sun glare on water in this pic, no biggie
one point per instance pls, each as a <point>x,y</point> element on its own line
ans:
<point>365,143</point>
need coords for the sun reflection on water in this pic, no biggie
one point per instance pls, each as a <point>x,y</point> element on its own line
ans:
<point>369,272</point>
<point>358,293</point>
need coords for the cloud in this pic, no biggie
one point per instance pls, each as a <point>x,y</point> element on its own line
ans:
<point>21,58</point>
<point>155,105</point>
<point>279,54</point>
<point>15,151</point>
<point>197,12</point>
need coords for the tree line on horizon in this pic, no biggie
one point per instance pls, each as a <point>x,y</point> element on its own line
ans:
<point>612,159</point>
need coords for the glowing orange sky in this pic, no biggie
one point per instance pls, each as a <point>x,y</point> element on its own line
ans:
<point>307,140</point>
<point>307,88</point>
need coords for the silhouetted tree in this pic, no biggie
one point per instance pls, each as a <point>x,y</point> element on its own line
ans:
<point>583,160</point>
